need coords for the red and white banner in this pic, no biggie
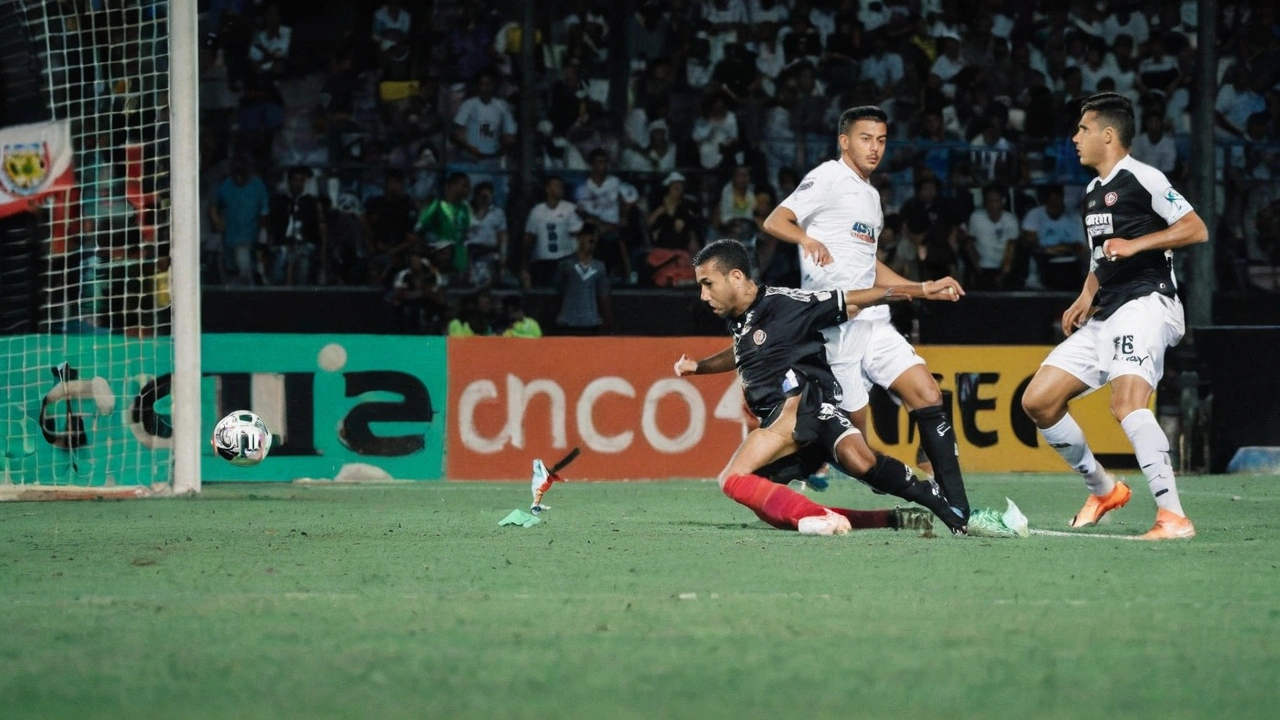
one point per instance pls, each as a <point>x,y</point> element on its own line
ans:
<point>512,400</point>
<point>35,160</point>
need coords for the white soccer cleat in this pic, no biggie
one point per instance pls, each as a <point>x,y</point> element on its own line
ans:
<point>831,523</point>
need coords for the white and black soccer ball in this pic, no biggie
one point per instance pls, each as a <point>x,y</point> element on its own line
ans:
<point>241,438</point>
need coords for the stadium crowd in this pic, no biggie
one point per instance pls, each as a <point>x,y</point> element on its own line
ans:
<point>378,143</point>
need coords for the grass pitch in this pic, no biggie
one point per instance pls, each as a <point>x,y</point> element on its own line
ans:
<point>638,600</point>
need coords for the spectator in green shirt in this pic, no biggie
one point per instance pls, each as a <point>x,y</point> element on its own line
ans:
<point>521,326</point>
<point>448,219</point>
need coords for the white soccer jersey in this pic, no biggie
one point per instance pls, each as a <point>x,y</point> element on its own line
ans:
<point>553,230</point>
<point>601,200</point>
<point>842,211</point>
<point>485,122</point>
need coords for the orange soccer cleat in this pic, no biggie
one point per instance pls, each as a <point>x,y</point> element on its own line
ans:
<point>1097,506</point>
<point>1170,526</point>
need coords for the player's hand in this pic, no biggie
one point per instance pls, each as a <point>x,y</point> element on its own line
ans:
<point>1077,315</point>
<point>1117,249</point>
<point>948,288</point>
<point>816,251</point>
<point>686,366</point>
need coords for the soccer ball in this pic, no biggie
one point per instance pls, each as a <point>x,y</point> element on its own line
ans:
<point>242,439</point>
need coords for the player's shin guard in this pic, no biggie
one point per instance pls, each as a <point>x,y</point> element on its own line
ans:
<point>1151,447</point>
<point>778,505</point>
<point>891,476</point>
<point>938,438</point>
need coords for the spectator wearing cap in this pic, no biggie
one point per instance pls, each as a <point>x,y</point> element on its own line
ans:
<point>673,224</point>
<point>660,154</point>
<point>583,284</point>
<point>484,128</point>
<point>299,233</point>
<point>447,219</point>
<point>548,235</point>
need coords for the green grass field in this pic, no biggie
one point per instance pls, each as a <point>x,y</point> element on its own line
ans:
<point>636,600</point>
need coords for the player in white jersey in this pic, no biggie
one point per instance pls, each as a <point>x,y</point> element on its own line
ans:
<point>835,216</point>
<point>1125,317</point>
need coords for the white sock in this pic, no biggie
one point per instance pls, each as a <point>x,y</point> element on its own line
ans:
<point>1067,438</point>
<point>1152,449</point>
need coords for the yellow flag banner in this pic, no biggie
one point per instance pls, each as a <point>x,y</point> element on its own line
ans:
<point>983,385</point>
<point>35,160</point>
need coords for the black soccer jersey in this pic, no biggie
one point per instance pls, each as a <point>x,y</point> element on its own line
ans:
<point>778,345</point>
<point>1135,200</point>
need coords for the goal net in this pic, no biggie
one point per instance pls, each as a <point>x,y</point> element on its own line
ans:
<point>99,333</point>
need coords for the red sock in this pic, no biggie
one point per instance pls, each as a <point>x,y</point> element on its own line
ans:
<point>778,505</point>
<point>866,519</point>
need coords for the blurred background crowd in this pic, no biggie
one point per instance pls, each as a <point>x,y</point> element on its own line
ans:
<point>386,144</point>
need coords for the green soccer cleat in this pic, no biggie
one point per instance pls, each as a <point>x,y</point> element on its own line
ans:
<point>986,522</point>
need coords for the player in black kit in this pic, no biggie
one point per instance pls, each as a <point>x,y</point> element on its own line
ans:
<point>779,352</point>
<point>1125,317</point>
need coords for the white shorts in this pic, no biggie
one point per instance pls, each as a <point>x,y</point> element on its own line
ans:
<point>865,353</point>
<point>1130,342</point>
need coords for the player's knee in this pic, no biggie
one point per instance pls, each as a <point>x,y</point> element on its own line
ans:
<point>1122,406</point>
<point>1040,406</point>
<point>855,457</point>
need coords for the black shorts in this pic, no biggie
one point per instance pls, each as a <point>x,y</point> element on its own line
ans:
<point>818,421</point>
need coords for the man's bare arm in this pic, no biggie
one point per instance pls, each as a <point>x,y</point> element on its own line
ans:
<point>721,362</point>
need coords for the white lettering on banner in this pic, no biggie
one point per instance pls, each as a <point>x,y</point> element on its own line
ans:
<point>697,416</point>
<point>729,408</point>
<point>474,394</point>
<point>586,425</point>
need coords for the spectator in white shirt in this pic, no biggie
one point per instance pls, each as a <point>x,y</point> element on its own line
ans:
<point>659,156</point>
<point>948,64</point>
<point>882,66</point>
<point>548,235</point>
<point>1153,147</point>
<point>391,26</point>
<point>716,133</point>
<point>769,11</point>
<point>1239,100</point>
<point>557,152</point>
<point>737,201</point>
<point>486,236</point>
<point>993,236</point>
<point>1057,241</point>
<point>483,127</point>
<point>269,52</point>
<point>1126,22</point>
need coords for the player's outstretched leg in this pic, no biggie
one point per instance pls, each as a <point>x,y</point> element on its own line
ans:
<point>1129,396</point>
<point>778,505</point>
<point>1045,402</point>
<point>890,476</point>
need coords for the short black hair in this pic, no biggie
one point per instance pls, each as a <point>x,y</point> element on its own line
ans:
<point>552,178</point>
<point>597,153</point>
<point>456,176</point>
<point>728,255</point>
<point>479,187</point>
<point>1112,110</point>
<point>862,112</point>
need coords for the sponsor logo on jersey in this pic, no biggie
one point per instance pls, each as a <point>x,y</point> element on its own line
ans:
<point>1111,198</point>
<point>862,231</point>
<point>804,186</point>
<point>1092,203</point>
<point>758,337</point>
<point>1173,198</point>
<point>1099,224</point>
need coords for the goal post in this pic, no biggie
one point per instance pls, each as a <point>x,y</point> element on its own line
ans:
<point>99,178</point>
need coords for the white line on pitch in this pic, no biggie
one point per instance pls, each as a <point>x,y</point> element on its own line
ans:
<point>1056,533</point>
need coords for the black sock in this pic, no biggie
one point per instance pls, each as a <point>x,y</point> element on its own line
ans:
<point>938,438</point>
<point>891,476</point>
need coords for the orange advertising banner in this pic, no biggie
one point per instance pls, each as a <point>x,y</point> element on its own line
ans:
<point>512,400</point>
